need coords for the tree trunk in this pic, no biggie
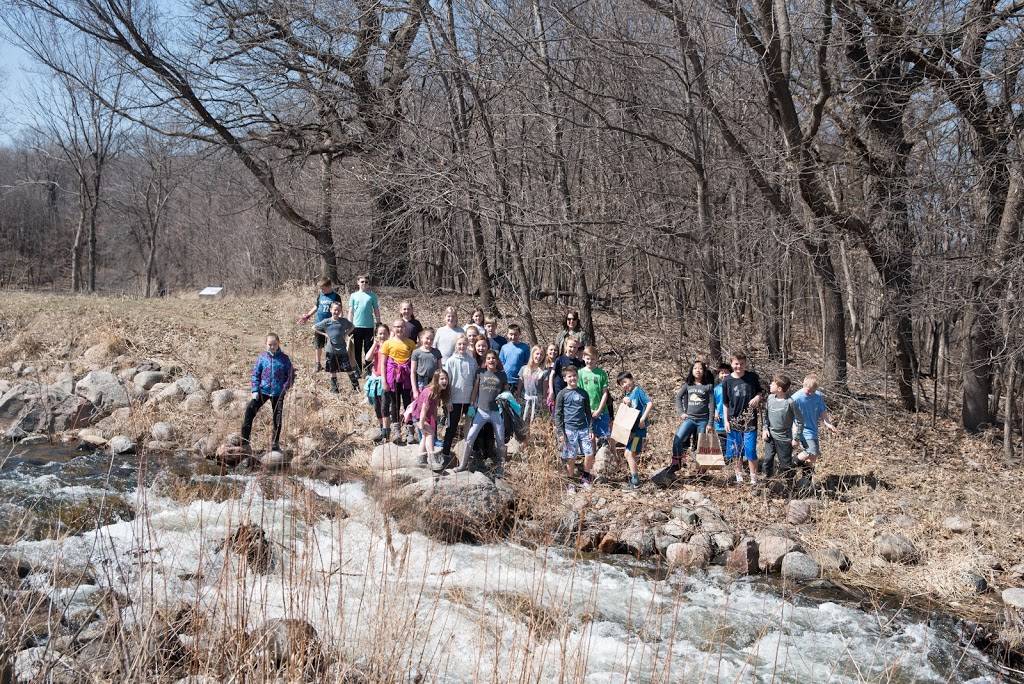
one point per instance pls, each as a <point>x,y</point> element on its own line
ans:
<point>982,318</point>
<point>76,246</point>
<point>92,247</point>
<point>562,181</point>
<point>834,360</point>
<point>324,234</point>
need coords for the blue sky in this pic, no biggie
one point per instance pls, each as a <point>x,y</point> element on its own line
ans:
<point>12,100</point>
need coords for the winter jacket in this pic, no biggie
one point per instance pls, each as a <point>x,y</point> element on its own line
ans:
<point>273,374</point>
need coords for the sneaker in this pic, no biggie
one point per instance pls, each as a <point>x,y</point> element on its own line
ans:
<point>570,488</point>
<point>423,459</point>
<point>634,481</point>
<point>739,478</point>
<point>319,367</point>
<point>499,472</point>
<point>334,387</point>
<point>586,481</point>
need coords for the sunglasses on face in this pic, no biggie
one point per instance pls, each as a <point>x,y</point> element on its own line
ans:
<point>570,318</point>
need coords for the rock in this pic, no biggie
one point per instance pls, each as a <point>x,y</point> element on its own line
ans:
<point>16,523</point>
<point>44,663</point>
<point>288,642</point>
<point>692,555</point>
<point>233,439</point>
<point>65,382</point>
<point>390,456</point>
<point>588,540</point>
<point>974,582</point>
<point>609,543</point>
<point>210,383</point>
<point>32,407</point>
<point>693,497</point>
<point>955,523</point>
<point>800,566</point>
<point>146,379</point>
<point>833,560</point>
<point>188,384</point>
<point>685,515</point>
<point>222,399</point>
<point>104,390</point>
<point>638,542</point>
<point>1014,598</point>
<point>17,366</point>
<point>772,548</point>
<point>663,541</point>
<point>799,511</point>
<point>273,460</point>
<point>676,528</point>
<point>723,541</point>
<point>121,444</point>
<point>92,436</point>
<point>896,548</point>
<point>466,506</point>
<point>607,463</point>
<point>250,543</point>
<point>170,393</point>
<point>1016,572</point>
<point>159,445</point>
<point>162,431</point>
<point>148,365</point>
<point>513,448</point>
<point>197,402</point>
<point>743,560</point>
<point>15,434</point>
<point>128,374</point>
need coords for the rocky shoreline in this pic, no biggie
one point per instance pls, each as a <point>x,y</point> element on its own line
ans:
<point>105,409</point>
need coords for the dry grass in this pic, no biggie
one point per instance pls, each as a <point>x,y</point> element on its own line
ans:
<point>928,472</point>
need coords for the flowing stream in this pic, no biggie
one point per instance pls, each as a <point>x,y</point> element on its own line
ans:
<point>455,613</point>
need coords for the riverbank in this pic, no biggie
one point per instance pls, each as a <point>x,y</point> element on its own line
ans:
<point>888,476</point>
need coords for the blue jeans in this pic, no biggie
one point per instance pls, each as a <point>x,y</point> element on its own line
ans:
<point>687,429</point>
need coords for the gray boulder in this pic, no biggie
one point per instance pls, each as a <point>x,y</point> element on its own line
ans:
<point>162,432</point>
<point>32,407</point>
<point>170,393</point>
<point>459,507</point>
<point>607,463</point>
<point>691,555</point>
<point>121,444</point>
<point>799,511</point>
<point>197,402</point>
<point>104,391</point>
<point>833,560</point>
<point>288,642</point>
<point>65,382</point>
<point>743,560</point>
<point>146,379</point>
<point>188,384</point>
<point>800,566</point>
<point>639,542</point>
<point>222,399</point>
<point>896,548</point>
<point>772,548</point>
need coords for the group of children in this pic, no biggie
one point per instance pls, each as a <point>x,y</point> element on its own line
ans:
<point>423,379</point>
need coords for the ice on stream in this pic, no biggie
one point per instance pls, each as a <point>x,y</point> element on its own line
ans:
<point>500,612</point>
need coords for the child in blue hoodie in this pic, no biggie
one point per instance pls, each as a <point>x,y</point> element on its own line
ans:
<point>272,377</point>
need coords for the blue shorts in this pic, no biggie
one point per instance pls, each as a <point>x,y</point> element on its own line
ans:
<point>741,442</point>
<point>635,445</point>
<point>577,443</point>
<point>602,426</point>
<point>810,445</point>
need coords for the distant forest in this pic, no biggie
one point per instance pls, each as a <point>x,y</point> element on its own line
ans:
<point>847,169</point>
